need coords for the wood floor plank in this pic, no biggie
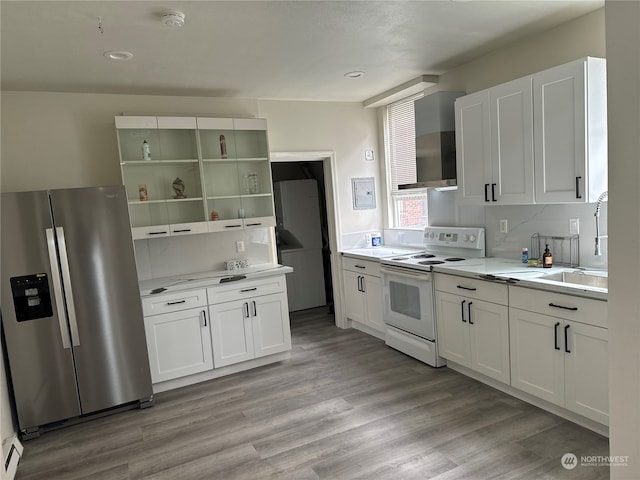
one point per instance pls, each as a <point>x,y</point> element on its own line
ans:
<point>344,406</point>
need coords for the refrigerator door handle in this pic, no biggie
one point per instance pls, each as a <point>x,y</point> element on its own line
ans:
<point>66,279</point>
<point>57,288</point>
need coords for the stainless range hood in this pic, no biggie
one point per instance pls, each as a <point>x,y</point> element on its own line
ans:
<point>435,141</point>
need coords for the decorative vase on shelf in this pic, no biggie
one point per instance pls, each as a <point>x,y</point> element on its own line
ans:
<point>178,188</point>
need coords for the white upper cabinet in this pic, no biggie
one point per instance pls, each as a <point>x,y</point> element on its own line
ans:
<point>222,165</point>
<point>494,143</point>
<point>473,148</point>
<point>570,125</point>
<point>537,139</point>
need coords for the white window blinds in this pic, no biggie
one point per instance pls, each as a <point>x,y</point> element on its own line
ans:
<point>401,138</point>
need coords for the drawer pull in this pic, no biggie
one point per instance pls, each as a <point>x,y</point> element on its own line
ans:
<point>360,266</point>
<point>157,233</point>
<point>462,310</point>
<point>566,339</point>
<point>232,226</point>
<point>182,230</point>
<point>177,302</point>
<point>472,289</point>
<point>555,336</point>
<point>253,224</point>
<point>245,290</point>
<point>573,309</point>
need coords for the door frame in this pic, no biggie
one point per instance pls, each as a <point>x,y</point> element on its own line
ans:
<point>328,160</point>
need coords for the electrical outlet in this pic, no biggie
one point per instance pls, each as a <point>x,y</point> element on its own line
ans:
<point>504,226</point>
<point>239,246</point>
<point>574,226</point>
<point>368,155</point>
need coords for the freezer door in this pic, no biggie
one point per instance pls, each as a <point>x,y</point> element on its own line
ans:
<point>105,313</point>
<point>36,332</point>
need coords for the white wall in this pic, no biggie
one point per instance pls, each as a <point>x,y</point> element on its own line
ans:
<point>623,67</point>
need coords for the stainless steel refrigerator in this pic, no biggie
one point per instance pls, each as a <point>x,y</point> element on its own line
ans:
<point>71,309</point>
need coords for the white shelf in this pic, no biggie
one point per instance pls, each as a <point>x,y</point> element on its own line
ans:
<point>228,160</point>
<point>157,162</point>
<point>166,200</point>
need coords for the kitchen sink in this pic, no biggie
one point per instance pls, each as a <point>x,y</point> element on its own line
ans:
<point>579,278</point>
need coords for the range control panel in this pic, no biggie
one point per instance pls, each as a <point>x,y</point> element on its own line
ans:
<point>461,237</point>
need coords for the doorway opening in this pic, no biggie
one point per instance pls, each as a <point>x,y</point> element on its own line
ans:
<point>303,239</point>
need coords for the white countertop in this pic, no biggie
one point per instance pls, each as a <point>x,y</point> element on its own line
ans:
<point>208,279</point>
<point>504,269</point>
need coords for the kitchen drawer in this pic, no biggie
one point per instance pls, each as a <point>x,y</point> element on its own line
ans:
<point>246,289</point>
<point>173,302</point>
<point>472,288</point>
<point>362,266</point>
<point>578,309</point>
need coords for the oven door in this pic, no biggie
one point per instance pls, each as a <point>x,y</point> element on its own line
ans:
<point>408,300</point>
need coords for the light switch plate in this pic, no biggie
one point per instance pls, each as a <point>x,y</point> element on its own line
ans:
<point>368,155</point>
<point>574,226</point>
<point>239,246</point>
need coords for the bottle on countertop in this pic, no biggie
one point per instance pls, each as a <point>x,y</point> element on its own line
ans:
<point>146,151</point>
<point>525,255</point>
<point>547,258</point>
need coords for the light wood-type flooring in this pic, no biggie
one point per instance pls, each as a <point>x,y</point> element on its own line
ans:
<point>344,407</point>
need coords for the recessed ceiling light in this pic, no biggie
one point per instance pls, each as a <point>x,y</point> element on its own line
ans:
<point>354,74</point>
<point>173,19</point>
<point>118,55</point>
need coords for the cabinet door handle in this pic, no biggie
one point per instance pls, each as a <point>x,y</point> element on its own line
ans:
<point>555,336</point>
<point>573,309</point>
<point>204,316</point>
<point>246,310</point>
<point>566,339</point>
<point>182,230</point>
<point>360,283</point>
<point>176,302</point>
<point>255,309</point>
<point>244,290</point>
<point>363,285</point>
<point>462,310</point>
<point>469,309</point>
<point>486,192</point>
<point>493,192</point>
<point>473,289</point>
<point>578,187</point>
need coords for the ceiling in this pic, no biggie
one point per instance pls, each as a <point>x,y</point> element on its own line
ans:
<point>258,49</point>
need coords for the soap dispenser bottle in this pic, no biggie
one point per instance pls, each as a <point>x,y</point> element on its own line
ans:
<point>547,258</point>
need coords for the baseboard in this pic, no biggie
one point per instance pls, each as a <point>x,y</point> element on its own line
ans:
<point>13,457</point>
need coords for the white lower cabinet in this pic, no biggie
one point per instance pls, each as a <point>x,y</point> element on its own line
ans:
<point>178,340</point>
<point>363,292</point>
<point>253,325</point>
<point>474,333</point>
<point>560,358</point>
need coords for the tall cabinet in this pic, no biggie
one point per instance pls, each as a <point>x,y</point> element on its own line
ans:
<point>198,175</point>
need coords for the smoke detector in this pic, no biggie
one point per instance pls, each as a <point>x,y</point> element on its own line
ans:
<point>173,19</point>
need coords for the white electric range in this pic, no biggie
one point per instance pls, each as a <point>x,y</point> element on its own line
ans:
<point>409,312</point>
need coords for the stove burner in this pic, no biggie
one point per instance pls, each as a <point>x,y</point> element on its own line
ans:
<point>423,255</point>
<point>454,259</point>
<point>400,258</point>
<point>431,262</point>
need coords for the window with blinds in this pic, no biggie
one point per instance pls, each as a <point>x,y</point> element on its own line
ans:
<point>408,208</point>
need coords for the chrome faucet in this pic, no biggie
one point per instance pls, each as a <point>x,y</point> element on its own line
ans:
<point>597,215</point>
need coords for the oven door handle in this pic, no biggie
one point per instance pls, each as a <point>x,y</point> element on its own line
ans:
<point>406,273</point>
